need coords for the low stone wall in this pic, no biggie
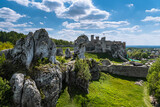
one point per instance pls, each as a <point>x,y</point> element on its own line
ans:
<point>130,71</point>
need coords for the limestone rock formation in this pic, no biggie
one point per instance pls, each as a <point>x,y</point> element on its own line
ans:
<point>31,96</point>
<point>117,51</point>
<point>94,70</point>
<point>49,79</point>
<point>33,47</point>
<point>105,62</point>
<point>68,53</point>
<point>16,83</point>
<point>25,92</point>
<point>59,52</point>
<point>44,46</point>
<point>23,51</point>
<point>80,46</point>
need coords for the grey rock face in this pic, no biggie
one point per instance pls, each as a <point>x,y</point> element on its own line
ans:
<point>16,83</point>
<point>105,62</point>
<point>49,80</point>
<point>34,46</point>
<point>79,46</point>
<point>59,52</point>
<point>94,70</point>
<point>23,50</point>
<point>68,53</point>
<point>31,96</point>
<point>6,52</point>
<point>118,51</point>
<point>44,46</point>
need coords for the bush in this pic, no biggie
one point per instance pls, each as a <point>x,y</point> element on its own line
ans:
<point>61,59</point>
<point>153,79</point>
<point>5,93</point>
<point>82,69</point>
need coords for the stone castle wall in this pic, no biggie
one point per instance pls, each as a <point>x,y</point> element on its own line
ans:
<point>130,71</point>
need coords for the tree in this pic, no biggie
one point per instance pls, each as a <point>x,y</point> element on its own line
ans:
<point>153,79</point>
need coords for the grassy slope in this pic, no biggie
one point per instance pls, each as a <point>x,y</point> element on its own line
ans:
<point>109,91</point>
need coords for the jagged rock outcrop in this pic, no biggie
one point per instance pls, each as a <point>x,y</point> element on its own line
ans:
<point>33,47</point>
<point>16,83</point>
<point>49,80</point>
<point>46,79</point>
<point>31,96</point>
<point>44,46</point>
<point>25,92</point>
<point>117,51</point>
<point>59,52</point>
<point>68,53</point>
<point>105,62</point>
<point>94,69</point>
<point>79,46</point>
<point>23,51</point>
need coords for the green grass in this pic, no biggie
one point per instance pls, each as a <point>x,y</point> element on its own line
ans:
<point>100,56</point>
<point>109,91</point>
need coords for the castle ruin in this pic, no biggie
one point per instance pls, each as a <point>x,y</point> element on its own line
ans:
<point>103,45</point>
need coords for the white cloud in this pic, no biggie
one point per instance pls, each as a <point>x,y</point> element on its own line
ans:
<point>156,31</point>
<point>77,10</point>
<point>135,28</point>
<point>9,15</point>
<point>68,34</point>
<point>10,25</point>
<point>150,18</point>
<point>22,2</point>
<point>153,10</point>
<point>130,5</point>
<point>31,23</point>
<point>45,17</point>
<point>41,23</point>
<point>94,25</point>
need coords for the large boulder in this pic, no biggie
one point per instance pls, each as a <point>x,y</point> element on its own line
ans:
<point>80,46</point>
<point>33,47</point>
<point>49,79</point>
<point>25,92</point>
<point>94,69</point>
<point>23,51</point>
<point>68,53</point>
<point>59,52</point>
<point>31,96</point>
<point>16,83</point>
<point>118,51</point>
<point>44,47</point>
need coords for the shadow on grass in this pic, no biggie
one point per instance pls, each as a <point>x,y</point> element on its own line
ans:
<point>126,78</point>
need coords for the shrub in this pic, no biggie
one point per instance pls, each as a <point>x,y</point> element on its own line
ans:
<point>82,69</point>
<point>5,93</point>
<point>61,59</point>
<point>153,79</point>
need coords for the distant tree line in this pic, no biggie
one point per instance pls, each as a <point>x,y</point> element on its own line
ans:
<point>11,37</point>
<point>137,54</point>
<point>62,42</point>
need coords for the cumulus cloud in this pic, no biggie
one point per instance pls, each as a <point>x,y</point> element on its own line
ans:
<point>41,23</point>
<point>22,2</point>
<point>77,10</point>
<point>10,24</point>
<point>130,5</point>
<point>153,10</point>
<point>9,15</point>
<point>135,28</point>
<point>150,18</point>
<point>69,34</point>
<point>94,25</point>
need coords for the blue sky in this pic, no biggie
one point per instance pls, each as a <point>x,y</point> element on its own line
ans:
<point>136,22</point>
